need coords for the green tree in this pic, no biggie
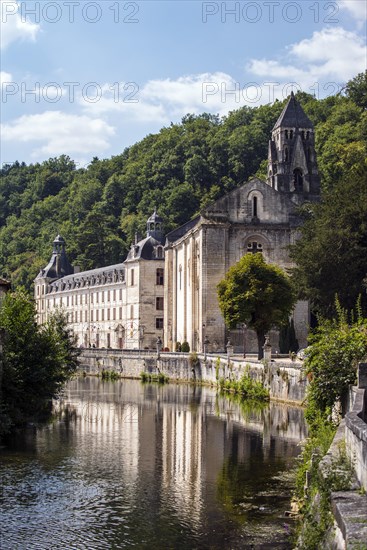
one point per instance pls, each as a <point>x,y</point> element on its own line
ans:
<point>256,293</point>
<point>37,360</point>
<point>336,347</point>
<point>331,253</point>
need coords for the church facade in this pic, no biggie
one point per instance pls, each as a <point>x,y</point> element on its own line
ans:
<point>259,216</point>
<point>168,288</point>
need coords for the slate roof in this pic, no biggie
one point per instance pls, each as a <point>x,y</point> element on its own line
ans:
<point>293,116</point>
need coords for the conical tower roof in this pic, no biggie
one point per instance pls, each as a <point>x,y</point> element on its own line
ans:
<point>293,116</point>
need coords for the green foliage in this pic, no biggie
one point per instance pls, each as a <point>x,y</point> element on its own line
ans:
<point>110,375</point>
<point>256,293</point>
<point>185,347</point>
<point>331,253</point>
<point>149,377</point>
<point>98,209</point>
<point>194,360</point>
<point>336,475</point>
<point>246,387</point>
<point>331,363</point>
<point>37,361</point>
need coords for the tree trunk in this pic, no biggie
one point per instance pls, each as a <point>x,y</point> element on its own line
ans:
<point>260,343</point>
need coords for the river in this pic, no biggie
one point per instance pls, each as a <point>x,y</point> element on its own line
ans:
<point>131,465</point>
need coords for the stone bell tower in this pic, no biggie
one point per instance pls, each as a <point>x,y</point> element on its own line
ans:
<point>292,166</point>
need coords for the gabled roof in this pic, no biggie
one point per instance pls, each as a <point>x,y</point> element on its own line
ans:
<point>293,116</point>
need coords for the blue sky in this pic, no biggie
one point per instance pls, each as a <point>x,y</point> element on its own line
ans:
<point>88,78</point>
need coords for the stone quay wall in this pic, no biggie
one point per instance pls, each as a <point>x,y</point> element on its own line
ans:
<point>283,377</point>
<point>356,427</point>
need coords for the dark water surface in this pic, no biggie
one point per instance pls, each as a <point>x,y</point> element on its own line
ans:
<point>128,465</point>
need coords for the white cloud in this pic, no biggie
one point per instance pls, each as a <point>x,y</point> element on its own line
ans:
<point>165,100</point>
<point>357,8</point>
<point>59,133</point>
<point>5,77</point>
<point>14,25</point>
<point>330,55</point>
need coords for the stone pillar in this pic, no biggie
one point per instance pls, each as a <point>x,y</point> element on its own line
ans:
<point>267,350</point>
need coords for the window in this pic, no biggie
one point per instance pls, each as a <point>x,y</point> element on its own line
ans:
<point>160,276</point>
<point>108,315</point>
<point>102,296</point>
<point>97,315</point>
<point>291,134</point>
<point>286,154</point>
<point>120,313</point>
<point>286,134</point>
<point>132,278</point>
<point>114,295</point>
<point>131,312</point>
<point>108,296</point>
<point>114,314</point>
<point>120,293</point>
<point>159,251</point>
<point>102,315</point>
<point>298,180</point>
<point>254,207</point>
<point>254,247</point>
<point>159,303</point>
<point>159,322</point>
<point>91,316</point>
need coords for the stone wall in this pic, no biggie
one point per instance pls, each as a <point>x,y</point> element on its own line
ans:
<point>283,377</point>
<point>356,428</point>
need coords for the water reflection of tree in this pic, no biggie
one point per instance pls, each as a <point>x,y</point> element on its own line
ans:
<point>254,483</point>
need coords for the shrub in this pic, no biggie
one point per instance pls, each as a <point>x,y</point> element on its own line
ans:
<point>185,347</point>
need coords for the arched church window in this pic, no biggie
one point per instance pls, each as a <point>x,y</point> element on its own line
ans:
<point>286,154</point>
<point>303,134</point>
<point>291,134</point>
<point>286,134</point>
<point>254,207</point>
<point>298,180</point>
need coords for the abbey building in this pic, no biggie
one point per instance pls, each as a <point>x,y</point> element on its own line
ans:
<point>172,292</point>
<point>118,306</point>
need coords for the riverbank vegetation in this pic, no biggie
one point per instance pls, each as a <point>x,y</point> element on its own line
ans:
<point>246,388</point>
<point>150,377</point>
<point>36,361</point>
<point>337,346</point>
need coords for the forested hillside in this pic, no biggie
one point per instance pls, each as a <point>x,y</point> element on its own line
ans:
<point>98,209</point>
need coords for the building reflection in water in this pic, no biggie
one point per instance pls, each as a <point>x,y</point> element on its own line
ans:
<point>157,466</point>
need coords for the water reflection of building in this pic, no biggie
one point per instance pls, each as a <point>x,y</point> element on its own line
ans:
<point>182,447</point>
<point>169,445</point>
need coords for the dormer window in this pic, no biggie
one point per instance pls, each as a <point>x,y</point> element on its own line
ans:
<point>159,252</point>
